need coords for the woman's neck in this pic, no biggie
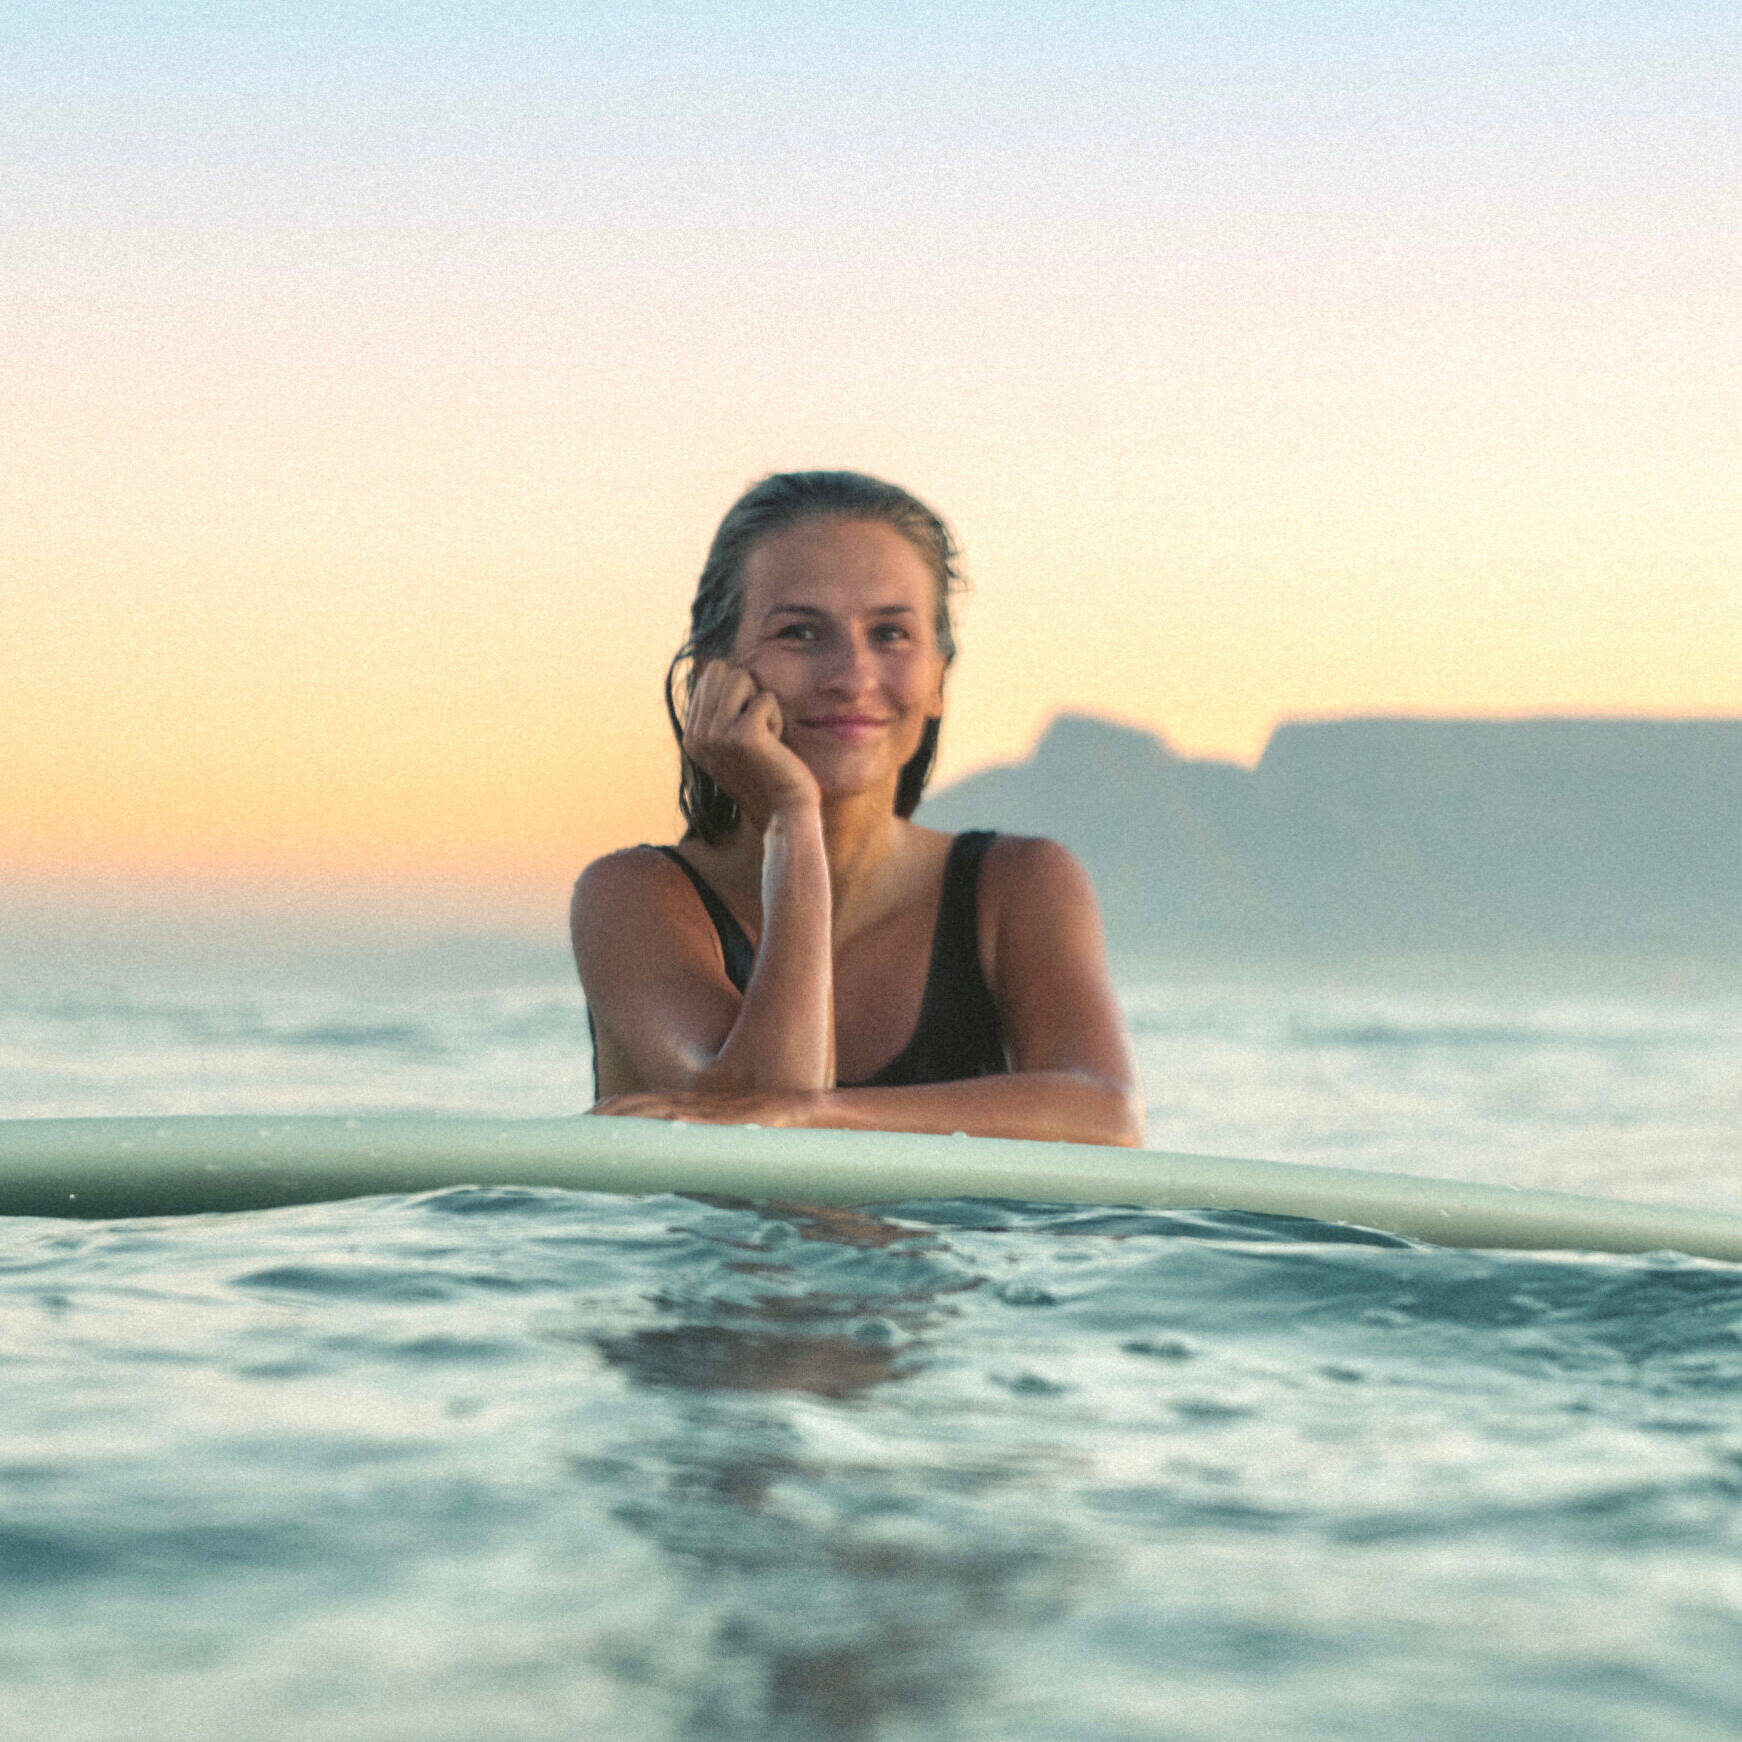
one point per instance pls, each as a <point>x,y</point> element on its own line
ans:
<point>861,834</point>
<point>859,839</point>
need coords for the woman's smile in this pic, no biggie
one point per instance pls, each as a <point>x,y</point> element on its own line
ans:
<point>850,728</point>
<point>839,628</point>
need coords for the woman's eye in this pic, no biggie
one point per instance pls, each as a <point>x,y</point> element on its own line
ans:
<point>795,632</point>
<point>890,632</point>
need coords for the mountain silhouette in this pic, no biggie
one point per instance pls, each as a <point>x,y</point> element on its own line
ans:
<point>1591,837</point>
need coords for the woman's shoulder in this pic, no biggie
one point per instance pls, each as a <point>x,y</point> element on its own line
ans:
<point>630,885</point>
<point>626,868</point>
<point>1029,882</point>
<point>1005,855</point>
<point>1039,922</point>
<point>1020,861</point>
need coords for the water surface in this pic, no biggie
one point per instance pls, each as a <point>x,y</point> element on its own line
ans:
<point>508,1463</point>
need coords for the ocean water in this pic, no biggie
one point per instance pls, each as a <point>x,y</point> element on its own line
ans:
<point>485,1464</point>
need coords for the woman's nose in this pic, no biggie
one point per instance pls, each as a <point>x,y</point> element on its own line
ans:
<point>852,665</point>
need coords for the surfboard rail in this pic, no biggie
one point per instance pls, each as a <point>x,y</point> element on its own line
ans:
<point>199,1164</point>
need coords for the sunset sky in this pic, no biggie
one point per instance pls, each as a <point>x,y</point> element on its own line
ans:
<point>375,374</point>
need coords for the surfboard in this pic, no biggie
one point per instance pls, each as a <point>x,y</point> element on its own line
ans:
<point>181,1166</point>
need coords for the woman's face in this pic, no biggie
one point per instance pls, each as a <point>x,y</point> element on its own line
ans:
<point>840,623</point>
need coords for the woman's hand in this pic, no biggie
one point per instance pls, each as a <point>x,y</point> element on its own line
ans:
<point>734,734</point>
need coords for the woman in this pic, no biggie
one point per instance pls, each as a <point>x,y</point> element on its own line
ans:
<point>806,955</point>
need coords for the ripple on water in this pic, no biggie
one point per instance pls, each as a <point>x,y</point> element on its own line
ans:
<point>499,1462</point>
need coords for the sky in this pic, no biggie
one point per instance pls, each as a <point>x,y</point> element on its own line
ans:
<point>375,374</point>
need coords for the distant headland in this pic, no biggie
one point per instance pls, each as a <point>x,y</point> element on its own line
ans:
<point>1586,837</point>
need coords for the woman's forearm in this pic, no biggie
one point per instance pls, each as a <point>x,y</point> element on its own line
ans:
<point>784,1034</point>
<point>1059,1106</point>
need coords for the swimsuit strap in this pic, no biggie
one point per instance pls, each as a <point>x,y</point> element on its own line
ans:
<point>736,949</point>
<point>959,910</point>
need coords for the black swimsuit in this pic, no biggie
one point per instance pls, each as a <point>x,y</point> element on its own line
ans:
<point>958,1033</point>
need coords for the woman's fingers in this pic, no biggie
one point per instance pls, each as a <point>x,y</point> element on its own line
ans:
<point>761,717</point>
<point>753,1106</point>
<point>730,707</point>
<point>721,694</point>
<point>632,1106</point>
<point>734,733</point>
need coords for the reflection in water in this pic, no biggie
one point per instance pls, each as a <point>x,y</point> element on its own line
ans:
<point>721,1358</point>
<point>853,1590</point>
<point>791,1338</point>
<point>835,1223</point>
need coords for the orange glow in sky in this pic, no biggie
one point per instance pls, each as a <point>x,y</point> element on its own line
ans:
<point>368,431</point>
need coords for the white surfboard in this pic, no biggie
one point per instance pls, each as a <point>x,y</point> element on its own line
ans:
<point>192,1165</point>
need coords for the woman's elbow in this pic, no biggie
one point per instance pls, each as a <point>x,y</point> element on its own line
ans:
<point>1130,1118</point>
<point>717,1076</point>
<point>1115,1113</point>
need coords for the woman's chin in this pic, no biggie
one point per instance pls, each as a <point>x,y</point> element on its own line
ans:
<point>847,770</point>
<point>839,780</point>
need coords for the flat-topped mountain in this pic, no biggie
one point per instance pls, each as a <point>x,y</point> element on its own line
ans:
<point>1593,837</point>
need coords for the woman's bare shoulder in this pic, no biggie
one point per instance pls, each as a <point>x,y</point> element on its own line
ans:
<point>1032,868</point>
<point>629,893</point>
<point>631,864</point>
<point>1038,913</point>
<point>627,873</point>
<point>651,965</point>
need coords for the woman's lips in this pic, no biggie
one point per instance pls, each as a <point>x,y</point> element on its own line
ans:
<point>850,727</point>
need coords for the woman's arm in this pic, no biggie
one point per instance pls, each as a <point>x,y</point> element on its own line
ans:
<point>1072,1077</point>
<point>648,956</point>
